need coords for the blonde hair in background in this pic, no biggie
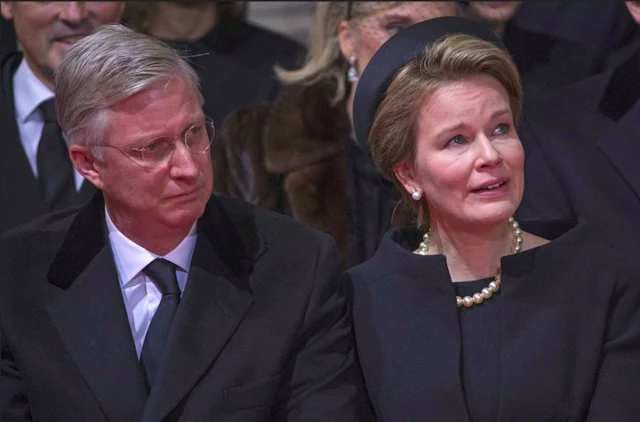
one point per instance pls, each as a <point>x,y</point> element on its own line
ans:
<point>324,59</point>
<point>451,58</point>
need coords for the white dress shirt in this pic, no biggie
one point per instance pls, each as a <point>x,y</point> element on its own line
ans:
<point>28,93</point>
<point>140,294</point>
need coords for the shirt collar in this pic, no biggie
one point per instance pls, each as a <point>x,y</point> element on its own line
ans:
<point>132,258</point>
<point>29,91</point>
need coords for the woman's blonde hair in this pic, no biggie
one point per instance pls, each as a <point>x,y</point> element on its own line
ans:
<point>324,59</point>
<point>452,58</point>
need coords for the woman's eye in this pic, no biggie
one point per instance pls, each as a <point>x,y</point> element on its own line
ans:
<point>393,27</point>
<point>501,129</point>
<point>456,141</point>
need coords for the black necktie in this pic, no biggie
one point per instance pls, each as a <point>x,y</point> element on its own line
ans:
<point>55,172</point>
<point>163,274</point>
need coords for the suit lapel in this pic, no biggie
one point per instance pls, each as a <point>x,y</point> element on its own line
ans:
<point>91,318</point>
<point>621,146</point>
<point>21,198</point>
<point>216,299</point>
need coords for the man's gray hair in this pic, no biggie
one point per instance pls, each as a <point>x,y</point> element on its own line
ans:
<point>105,68</point>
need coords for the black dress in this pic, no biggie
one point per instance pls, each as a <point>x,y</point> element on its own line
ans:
<point>560,342</point>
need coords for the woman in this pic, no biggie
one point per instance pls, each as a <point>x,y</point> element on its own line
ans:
<point>298,156</point>
<point>473,317</point>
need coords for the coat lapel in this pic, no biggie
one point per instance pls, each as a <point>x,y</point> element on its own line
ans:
<point>214,303</point>
<point>91,318</point>
<point>621,145</point>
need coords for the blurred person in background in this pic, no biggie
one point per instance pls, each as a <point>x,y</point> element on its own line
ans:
<point>298,155</point>
<point>36,175</point>
<point>555,44</point>
<point>583,145</point>
<point>234,58</point>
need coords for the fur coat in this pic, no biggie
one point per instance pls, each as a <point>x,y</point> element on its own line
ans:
<point>291,157</point>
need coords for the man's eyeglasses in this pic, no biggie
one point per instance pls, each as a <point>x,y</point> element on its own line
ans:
<point>197,139</point>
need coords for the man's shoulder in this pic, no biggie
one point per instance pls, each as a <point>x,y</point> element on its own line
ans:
<point>271,225</point>
<point>37,240</point>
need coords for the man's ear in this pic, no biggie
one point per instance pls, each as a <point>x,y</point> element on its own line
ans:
<point>85,162</point>
<point>6,8</point>
<point>406,176</point>
<point>346,39</point>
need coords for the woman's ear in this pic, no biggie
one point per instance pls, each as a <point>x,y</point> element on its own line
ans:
<point>346,39</point>
<point>85,162</point>
<point>406,176</point>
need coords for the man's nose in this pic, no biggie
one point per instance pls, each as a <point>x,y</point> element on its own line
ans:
<point>73,11</point>
<point>183,162</point>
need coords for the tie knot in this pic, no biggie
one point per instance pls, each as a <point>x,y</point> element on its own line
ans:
<point>48,109</point>
<point>163,274</point>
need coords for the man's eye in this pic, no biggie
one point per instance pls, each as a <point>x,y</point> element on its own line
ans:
<point>156,146</point>
<point>194,131</point>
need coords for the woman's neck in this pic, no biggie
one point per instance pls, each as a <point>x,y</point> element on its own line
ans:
<point>472,253</point>
<point>182,22</point>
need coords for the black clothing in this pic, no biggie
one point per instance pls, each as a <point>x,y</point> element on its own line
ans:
<point>20,197</point>
<point>582,147</point>
<point>372,201</point>
<point>480,360</point>
<point>235,62</point>
<point>295,156</point>
<point>555,44</point>
<point>564,335</point>
<point>262,332</point>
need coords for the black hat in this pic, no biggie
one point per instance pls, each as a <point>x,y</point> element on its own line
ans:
<point>404,46</point>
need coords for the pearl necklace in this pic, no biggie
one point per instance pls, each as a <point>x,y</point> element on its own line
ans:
<point>494,286</point>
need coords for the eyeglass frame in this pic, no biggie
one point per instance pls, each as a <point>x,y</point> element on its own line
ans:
<point>127,150</point>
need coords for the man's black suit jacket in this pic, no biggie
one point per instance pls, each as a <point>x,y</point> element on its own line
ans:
<point>20,196</point>
<point>263,331</point>
<point>582,155</point>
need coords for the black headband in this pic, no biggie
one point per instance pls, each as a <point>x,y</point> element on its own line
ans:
<point>403,47</point>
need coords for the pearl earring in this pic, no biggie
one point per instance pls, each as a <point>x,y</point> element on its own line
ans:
<point>416,195</point>
<point>352,74</point>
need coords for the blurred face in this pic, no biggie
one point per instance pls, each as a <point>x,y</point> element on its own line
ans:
<point>45,30</point>
<point>469,160</point>
<point>363,38</point>
<point>495,11</point>
<point>172,194</point>
<point>634,9</point>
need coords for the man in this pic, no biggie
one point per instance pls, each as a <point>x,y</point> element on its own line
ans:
<point>36,175</point>
<point>158,301</point>
<point>582,150</point>
<point>234,58</point>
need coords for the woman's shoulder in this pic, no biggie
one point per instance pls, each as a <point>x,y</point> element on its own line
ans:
<point>395,261</point>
